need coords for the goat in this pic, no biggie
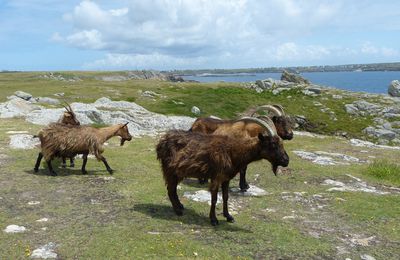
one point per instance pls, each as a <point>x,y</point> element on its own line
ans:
<point>240,128</point>
<point>186,154</point>
<point>59,140</point>
<point>68,118</point>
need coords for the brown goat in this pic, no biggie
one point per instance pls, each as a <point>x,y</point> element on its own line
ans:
<point>59,140</point>
<point>68,118</point>
<point>239,128</point>
<point>187,154</point>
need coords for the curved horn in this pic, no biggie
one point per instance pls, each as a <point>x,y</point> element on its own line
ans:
<point>272,109</point>
<point>279,107</point>
<point>266,123</point>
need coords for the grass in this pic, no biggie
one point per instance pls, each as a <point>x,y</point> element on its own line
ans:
<point>384,170</point>
<point>131,216</point>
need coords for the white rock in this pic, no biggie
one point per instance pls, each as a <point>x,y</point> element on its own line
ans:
<point>202,196</point>
<point>23,95</point>
<point>195,110</point>
<point>42,220</point>
<point>14,229</point>
<point>253,191</point>
<point>362,143</point>
<point>367,257</point>
<point>23,141</point>
<point>45,252</point>
<point>356,186</point>
<point>33,202</point>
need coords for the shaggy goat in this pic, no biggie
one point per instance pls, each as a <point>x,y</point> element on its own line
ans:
<point>68,118</point>
<point>187,154</point>
<point>240,128</point>
<point>58,140</point>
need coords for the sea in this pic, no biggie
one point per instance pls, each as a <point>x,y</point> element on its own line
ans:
<point>365,81</point>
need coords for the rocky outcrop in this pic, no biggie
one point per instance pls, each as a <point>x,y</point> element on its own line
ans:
<point>295,78</point>
<point>394,88</point>
<point>103,111</point>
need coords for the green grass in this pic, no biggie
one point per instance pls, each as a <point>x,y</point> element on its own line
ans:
<point>384,170</point>
<point>131,216</point>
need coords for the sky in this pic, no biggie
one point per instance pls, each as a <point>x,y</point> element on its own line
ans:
<point>195,34</point>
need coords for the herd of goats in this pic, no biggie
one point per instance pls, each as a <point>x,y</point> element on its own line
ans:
<point>212,149</point>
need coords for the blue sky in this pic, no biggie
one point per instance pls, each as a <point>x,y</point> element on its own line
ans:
<point>178,34</point>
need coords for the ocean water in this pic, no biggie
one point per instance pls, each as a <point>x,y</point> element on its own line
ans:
<point>372,82</point>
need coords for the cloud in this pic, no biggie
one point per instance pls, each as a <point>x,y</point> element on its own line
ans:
<point>225,33</point>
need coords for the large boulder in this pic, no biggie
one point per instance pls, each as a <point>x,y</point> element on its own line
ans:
<point>291,77</point>
<point>16,108</point>
<point>394,88</point>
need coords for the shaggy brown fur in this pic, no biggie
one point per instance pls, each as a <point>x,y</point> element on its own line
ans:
<point>68,118</point>
<point>59,140</point>
<point>243,128</point>
<point>187,154</point>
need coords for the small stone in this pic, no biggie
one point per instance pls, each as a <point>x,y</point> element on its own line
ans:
<point>33,202</point>
<point>45,252</point>
<point>42,220</point>
<point>195,110</point>
<point>14,229</point>
<point>23,95</point>
<point>367,257</point>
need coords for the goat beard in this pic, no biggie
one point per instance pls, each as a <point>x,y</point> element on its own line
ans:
<point>122,141</point>
<point>275,169</point>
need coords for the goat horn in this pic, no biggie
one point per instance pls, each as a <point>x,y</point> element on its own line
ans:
<point>280,108</point>
<point>266,122</point>
<point>126,123</point>
<point>273,109</point>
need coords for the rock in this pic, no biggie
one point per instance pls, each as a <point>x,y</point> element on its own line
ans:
<point>61,94</point>
<point>308,93</point>
<point>23,95</point>
<point>47,100</point>
<point>380,133</point>
<point>367,257</point>
<point>202,196</point>
<point>195,110</point>
<point>351,109</point>
<point>362,143</point>
<point>23,141</point>
<point>337,96</point>
<point>394,88</point>
<point>253,191</point>
<point>291,77</point>
<point>279,90</point>
<point>45,252</point>
<point>363,241</point>
<point>325,158</point>
<point>14,229</point>
<point>315,90</point>
<point>356,186</point>
<point>42,220</point>
<point>149,94</point>
<point>16,108</point>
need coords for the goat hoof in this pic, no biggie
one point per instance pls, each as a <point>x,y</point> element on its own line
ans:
<point>230,219</point>
<point>244,187</point>
<point>35,169</point>
<point>72,165</point>
<point>178,212</point>
<point>110,171</point>
<point>53,174</point>
<point>181,207</point>
<point>214,222</point>
<point>63,165</point>
<point>84,172</point>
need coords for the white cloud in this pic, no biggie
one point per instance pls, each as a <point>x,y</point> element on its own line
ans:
<point>227,33</point>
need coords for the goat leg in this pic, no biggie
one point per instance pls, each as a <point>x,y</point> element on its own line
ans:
<point>173,196</point>
<point>214,197</point>
<point>225,195</point>
<point>84,156</point>
<point>71,162</point>
<point>103,159</point>
<point>52,172</point>
<point>39,159</point>
<point>64,163</point>
<point>243,183</point>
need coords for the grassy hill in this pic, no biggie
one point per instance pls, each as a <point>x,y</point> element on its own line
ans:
<point>129,216</point>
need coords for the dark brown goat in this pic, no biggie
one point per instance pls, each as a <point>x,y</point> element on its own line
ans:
<point>59,140</point>
<point>239,128</point>
<point>68,118</point>
<point>187,154</point>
